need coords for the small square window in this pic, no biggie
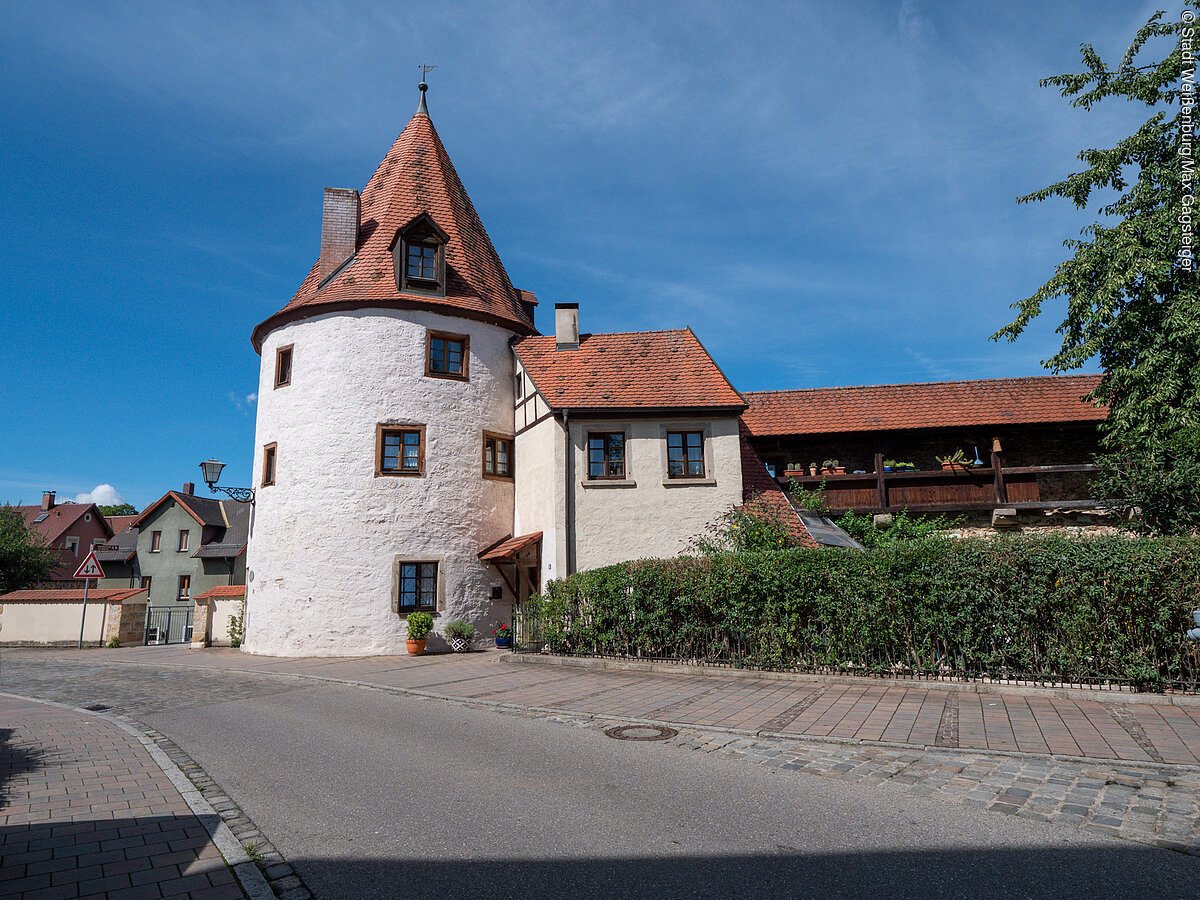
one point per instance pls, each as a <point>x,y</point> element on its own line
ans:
<point>685,454</point>
<point>400,450</point>
<point>183,540</point>
<point>155,541</point>
<point>497,456</point>
<point>606,455</point>
<point>270,453</point>
<point>417,586</point>
<point>283,366</point>
<point>447,355</point>
<point>421,262</point>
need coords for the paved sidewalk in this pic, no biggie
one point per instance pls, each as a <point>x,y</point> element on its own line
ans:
<point>85,811</point>
<point>1085,724</point>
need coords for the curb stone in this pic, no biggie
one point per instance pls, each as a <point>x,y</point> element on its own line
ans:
<point>173,761</point>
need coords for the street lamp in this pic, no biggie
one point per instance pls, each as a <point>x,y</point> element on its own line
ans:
<point>211,470</point>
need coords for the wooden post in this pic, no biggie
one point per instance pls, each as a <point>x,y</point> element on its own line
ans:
<point>998,470</point>
<point>881,499</point>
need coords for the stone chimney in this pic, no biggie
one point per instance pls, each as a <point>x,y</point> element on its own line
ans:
<point>566,326</point>
<point>189,488</point>
<point>47,501</point>
<point>339,229</point>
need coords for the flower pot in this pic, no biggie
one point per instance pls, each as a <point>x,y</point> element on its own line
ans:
<point>460,644</point>
<point>953,467</point>
<point>839,470</point>
<point>504,641</point>
<point>415,648</point>
<point>813,470</point>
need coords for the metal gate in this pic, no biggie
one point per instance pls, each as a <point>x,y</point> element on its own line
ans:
<point>169,625</point>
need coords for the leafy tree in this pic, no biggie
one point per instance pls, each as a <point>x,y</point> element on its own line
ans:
<point>25,557</point>
<point>1130,302</point>
<point>118,509</point>
<point>1161,481</point>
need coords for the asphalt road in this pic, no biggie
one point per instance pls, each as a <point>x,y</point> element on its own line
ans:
<point>370,794</point>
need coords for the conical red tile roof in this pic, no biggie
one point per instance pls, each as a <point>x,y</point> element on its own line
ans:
<point>415,177</point>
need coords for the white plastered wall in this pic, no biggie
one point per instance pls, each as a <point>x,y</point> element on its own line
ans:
<point>648,515</point>
<point>540,485</point>
<point>326,536</point>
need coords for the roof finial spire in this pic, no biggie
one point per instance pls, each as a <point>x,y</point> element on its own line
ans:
<point>423,87</point>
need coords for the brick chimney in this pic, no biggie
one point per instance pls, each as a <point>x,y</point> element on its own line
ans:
<point>47,501</point>
<point>339,229</point>
<point>566,326</point>
<point>189,488</point>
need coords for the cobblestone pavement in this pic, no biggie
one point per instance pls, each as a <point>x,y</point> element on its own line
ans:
<point>833,731</point>
<point>85,811</point>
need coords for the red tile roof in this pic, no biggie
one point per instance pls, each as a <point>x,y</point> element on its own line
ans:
<point>224,590</point>
<point>119,523</point>
<point>760,490</point>
<point>95,595</point>
<point>945,404</point>
<point>58,519</point>
<point>510,547</point>
<point>415,177</point>
<point>630,370</point>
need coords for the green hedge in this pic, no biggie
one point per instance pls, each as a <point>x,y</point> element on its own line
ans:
<point>1052,608</point>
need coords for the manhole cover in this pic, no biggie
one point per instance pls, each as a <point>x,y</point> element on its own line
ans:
<point>96,707</point>
<point>641,732</point>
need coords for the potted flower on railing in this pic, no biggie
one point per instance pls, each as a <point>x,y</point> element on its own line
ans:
<point>794,470</point>
<point>813,469</point>
<point>503,636</point>
<point>956,463</point>
<point>459,635</point>
<point>832,467</point>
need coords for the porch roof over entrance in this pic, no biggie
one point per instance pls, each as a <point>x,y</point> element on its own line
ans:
<point>510,547</point>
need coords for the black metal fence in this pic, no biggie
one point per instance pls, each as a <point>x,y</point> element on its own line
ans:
<point>534,632</point>
<point>168,625</point>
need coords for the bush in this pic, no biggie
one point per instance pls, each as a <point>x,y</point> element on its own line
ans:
<point>904,528</point>
<point>1055,607</point>
<point>419,625</point>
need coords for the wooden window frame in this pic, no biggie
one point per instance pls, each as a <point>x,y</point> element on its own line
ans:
<point>464,339</point>
<point>434,605</point>
<point>380,431</point>
<point>512,456</point>
<point>280,354</point>
<point>183,590</point>
<point>146,581</point>
<point>269,473</point>
<point>436,288</point>
<point>703,465</point>
<point>156,542</point>
<point>181,543</point>
<point>587,456</point>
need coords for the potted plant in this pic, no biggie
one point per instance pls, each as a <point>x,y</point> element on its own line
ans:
<point>459,634</point>
<point>888,465</point>
<point>832,467</point>
<point>503,636</point>
<point>793,470</point>
<point>956,463</point>
<point>419,626</point>
<point>813,469</point>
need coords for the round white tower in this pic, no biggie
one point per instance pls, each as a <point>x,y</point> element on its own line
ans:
<point>383,455</point>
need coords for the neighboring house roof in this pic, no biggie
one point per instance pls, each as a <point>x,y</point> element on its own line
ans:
<point>944,404</point>
<point>416,177</point>
<point>119,523</point>
<point>223,590</point>
<point>58,519</point>
<point>230,519</point>
<point>95,595</point>
<point>122,546</point>
<point>628,370</point>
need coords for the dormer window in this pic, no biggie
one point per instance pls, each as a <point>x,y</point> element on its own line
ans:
<point>420,258</point>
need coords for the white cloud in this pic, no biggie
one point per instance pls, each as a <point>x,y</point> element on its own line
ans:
<point>252,397</point>
<point>102,494</point>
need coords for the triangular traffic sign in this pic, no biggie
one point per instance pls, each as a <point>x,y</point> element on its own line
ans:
<point>90,567</point>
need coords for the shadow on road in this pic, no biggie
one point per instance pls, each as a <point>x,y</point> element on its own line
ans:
<point>1117,871</point>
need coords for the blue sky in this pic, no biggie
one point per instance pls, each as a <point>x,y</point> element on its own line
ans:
<point>823,191</point>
